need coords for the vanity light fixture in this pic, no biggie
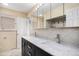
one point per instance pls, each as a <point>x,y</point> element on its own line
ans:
<point>40,15</point>
<point>6,4</point>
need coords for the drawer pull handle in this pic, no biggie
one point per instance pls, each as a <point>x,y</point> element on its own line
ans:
<point>29,53</point>
<point>29,47</point>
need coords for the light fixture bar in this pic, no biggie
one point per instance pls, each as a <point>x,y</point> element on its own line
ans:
<point>6,4</point>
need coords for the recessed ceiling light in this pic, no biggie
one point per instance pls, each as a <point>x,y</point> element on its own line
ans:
<point>6,4</point>
<point>40,15</point>
<point>38,6</point>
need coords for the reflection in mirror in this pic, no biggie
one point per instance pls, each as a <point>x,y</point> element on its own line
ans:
<point>38,17</point>
<point>58,13</point>
<point>48,11</point>
<point>55,14</point>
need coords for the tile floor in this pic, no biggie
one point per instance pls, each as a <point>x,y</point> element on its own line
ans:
<point>14,52</point>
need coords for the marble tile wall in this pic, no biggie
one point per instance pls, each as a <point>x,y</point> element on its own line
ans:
<point>68,36</point>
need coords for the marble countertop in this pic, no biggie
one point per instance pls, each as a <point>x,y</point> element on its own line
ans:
<point>52,47</point>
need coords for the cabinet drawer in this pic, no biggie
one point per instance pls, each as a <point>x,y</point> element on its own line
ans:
<point>7,40</point>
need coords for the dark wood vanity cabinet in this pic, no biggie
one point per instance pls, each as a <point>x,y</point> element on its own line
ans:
<point>29,49</point>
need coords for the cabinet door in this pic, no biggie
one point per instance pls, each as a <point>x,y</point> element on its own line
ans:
<point>7,40</point>
<point>57,11</point>
<point>24,47</point>
<point>32,49</point>
<point>28,49</point>
<point>23,44</point>
<point>40,52</point>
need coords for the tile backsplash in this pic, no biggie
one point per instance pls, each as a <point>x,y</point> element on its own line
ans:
<point>68,36</point>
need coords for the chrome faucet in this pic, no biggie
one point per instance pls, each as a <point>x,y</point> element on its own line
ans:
<point>35,34</point>
<point>58,38</point>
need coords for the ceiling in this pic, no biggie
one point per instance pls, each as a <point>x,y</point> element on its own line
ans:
<point>22,7</point>
<point>26,7</point>
<point>46,7</point>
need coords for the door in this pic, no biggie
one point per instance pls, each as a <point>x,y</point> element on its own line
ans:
<point>7,40</point>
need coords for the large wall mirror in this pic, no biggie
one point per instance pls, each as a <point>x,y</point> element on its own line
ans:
<point>50,15</point>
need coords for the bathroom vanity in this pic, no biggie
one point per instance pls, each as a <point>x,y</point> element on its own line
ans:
<point>29,49</point>
<point>62,41</point>
<point>35,46</point>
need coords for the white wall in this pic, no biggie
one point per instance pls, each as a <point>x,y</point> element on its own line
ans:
<point>29,26</point>
<point>21,29</point>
